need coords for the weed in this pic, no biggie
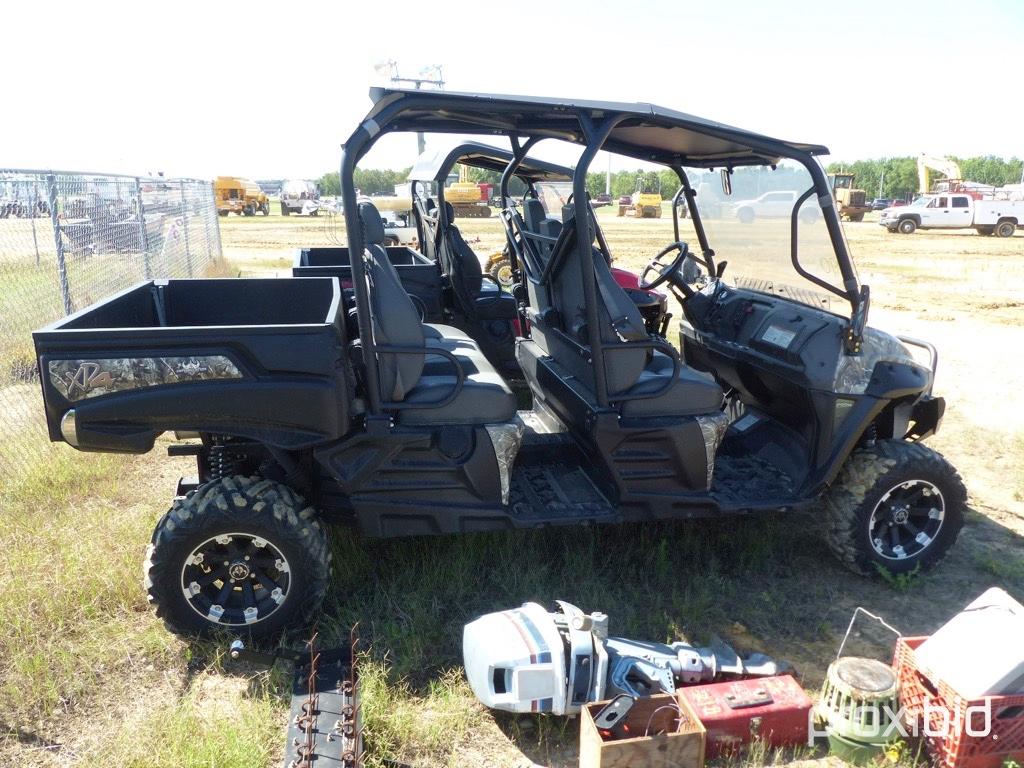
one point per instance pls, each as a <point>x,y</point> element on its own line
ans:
<point>901,582</point>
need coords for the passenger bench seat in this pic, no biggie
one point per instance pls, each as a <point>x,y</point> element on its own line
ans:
<point>428,378</point>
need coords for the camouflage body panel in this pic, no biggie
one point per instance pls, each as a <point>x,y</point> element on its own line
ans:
<point>82,379</point>
<point>713,427</point>
<point>853,372</point>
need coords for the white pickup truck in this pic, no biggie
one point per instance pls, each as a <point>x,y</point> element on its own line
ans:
<point>774,205</point>
<point>956,211</point>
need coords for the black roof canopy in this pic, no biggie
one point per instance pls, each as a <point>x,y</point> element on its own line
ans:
<point>435,166</point>
<point>646,132</point>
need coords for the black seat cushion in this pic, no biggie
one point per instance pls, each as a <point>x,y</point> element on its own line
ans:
<point>494,304</point>
<point>693,392</point>
<point>484,398</point>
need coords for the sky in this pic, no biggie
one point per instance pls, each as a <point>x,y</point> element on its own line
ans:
<point>272,90</point>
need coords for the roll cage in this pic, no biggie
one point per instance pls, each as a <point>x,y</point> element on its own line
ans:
<point>437,166</point>
<point>642,131</point>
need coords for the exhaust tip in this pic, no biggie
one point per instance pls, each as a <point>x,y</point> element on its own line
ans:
<point>69,428</point>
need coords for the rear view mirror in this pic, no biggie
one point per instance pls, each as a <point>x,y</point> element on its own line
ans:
<point>727,181</point>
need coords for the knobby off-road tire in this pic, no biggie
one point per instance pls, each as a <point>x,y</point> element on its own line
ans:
<point>881,482</point>
<point>502,272</point>
<point>271,541</point>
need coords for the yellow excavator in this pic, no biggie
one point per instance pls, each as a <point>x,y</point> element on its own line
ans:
<point>466,198</point>
<point>645,202</point>
<point>943,165</point>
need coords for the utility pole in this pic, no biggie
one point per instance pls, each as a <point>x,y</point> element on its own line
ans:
<point>430,75</point>
<point>881,180</point>
<point>608,177</point>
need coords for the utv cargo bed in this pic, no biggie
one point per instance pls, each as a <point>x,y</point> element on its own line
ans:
<point>263,356</point>
<point>420,276</point>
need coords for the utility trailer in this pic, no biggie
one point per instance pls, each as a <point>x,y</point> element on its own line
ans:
<point>311,405</point>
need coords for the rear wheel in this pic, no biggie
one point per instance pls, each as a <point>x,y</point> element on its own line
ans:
<point>907,226</point>
<point>284,210</point>
<point>239,554</point>
<point>856,217</point>
<point>1005,229</point>
<point>896,506</point>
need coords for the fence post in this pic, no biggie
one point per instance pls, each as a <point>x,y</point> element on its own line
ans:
<point>35,209</point>
<point>62,267</point>
<point>147,268</point>
<point>216,221</point>
<point>184,225</point>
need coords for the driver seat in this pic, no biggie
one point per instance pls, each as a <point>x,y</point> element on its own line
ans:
<point>480,295</point>
<point>629,371</point>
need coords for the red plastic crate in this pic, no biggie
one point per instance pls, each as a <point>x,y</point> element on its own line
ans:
<point>958,749</point>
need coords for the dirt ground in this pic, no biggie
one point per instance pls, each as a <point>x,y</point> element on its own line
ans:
<point>765,585</point>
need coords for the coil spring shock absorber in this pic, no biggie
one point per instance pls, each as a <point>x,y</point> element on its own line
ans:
<point>221,461</point>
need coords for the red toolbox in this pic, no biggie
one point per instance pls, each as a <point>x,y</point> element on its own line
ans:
<point>773,709</point>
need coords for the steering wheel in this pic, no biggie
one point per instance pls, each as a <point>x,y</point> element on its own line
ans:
<point>664,269</point>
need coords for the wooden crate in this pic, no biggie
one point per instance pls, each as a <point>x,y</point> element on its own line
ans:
<point>682,748</point>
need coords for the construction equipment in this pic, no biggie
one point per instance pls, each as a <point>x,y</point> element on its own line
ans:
<point>466,197</point>
<point>299,196</point>
<point>241,196</point>
<point>943,165</point>
<point>532,660</point>
<point>645,202</point>
<point>852,203</point>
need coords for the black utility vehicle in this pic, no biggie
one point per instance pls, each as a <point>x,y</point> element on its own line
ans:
<point>305,411</point>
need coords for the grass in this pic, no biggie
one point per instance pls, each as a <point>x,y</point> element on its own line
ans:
<point>71,605</point>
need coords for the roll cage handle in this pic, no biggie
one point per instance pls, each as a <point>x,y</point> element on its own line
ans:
<point>651,343</point>
<point>394,349</point>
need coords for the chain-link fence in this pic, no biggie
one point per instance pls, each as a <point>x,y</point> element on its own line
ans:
<point>70,239</point>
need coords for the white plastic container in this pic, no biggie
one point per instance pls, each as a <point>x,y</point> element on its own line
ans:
<point>980,651</point>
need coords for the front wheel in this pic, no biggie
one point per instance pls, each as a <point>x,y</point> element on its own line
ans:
<point>745,215</point>
<point>238,554</point>
<point>896,506</point>
<point>907,226</point>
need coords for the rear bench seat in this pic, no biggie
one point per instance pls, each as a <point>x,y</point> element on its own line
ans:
<point>419,380</point>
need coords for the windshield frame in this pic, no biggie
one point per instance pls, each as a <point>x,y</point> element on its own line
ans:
<point>826,203</point>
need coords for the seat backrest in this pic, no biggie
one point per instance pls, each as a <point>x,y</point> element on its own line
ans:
<point>427,226</point>
<point>536,220</point>
<point>460,261</point>
<point>618,315</point>
<point>393,316</point>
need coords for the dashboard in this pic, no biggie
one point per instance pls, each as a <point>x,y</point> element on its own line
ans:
<point>783,338</point>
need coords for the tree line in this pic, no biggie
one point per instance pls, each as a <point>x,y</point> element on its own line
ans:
<point>892,177</point>
<point>896,177</point>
